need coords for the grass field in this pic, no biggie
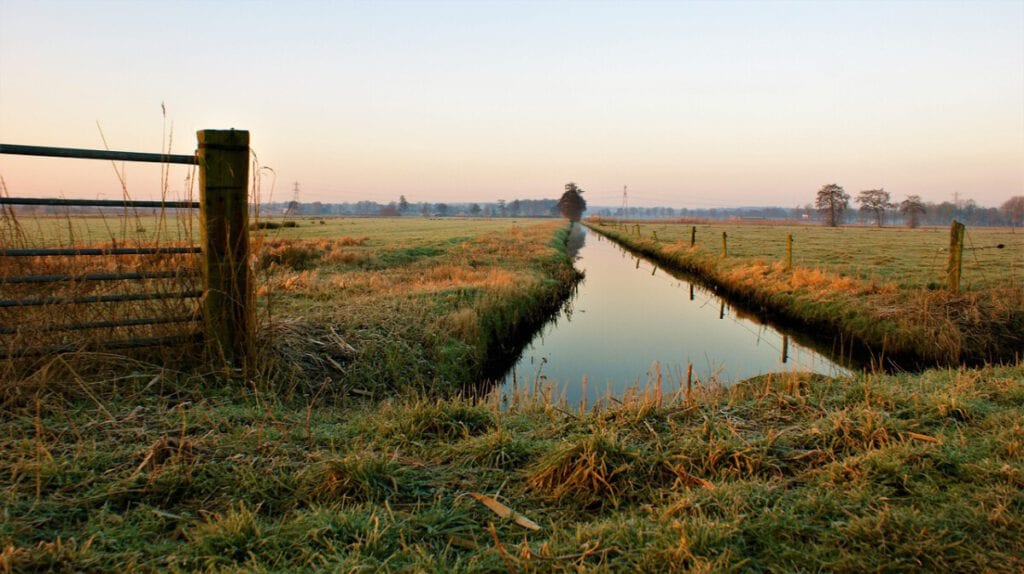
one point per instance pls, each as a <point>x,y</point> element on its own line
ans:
<point>908,257</point>
<point>348,452</point>
<point>883,287</point>
<point>430,303</point>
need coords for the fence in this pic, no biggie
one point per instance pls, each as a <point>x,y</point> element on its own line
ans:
<point>225,300</point>
<point>951,271</point>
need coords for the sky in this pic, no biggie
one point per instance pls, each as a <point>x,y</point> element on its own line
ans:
<point>689,104</point>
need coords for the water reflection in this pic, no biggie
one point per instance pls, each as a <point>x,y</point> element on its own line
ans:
<point>629,325</point>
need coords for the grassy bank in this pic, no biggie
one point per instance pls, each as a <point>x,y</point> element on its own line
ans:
<point>382,305</point>
<point>157,471</point>
<point>880,287</point>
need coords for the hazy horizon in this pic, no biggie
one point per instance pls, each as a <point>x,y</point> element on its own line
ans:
<point>689,104</point>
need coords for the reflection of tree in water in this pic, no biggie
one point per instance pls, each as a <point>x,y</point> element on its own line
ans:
<point>577,238</point>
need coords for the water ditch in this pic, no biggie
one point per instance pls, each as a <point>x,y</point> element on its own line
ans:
<point>631,323</point>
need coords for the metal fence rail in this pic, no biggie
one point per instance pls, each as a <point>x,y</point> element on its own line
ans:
<point>36,279</point>
<point>77,153</point>
<point>72,252</point>
<point>100,325</point>
<point>122,298</point>
<point>136,343</point>
<point>98,202</point>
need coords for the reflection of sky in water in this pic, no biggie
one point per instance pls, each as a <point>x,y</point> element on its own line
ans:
<point>624,319</point>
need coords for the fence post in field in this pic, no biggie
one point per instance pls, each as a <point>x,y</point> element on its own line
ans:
<point>693,236</point>
<point>224,220</point>
<point>789,253</point>
<point>655,234</point>
<point>725,253</point>
<point>956,255</point>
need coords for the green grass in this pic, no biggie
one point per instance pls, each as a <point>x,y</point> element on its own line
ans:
<point>913,258</point>
<point>785,473</point>
<point>882,287</point>
<point>350,453</point>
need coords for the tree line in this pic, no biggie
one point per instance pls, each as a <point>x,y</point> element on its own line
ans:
<point>403,207</point>
<point>832,204</point>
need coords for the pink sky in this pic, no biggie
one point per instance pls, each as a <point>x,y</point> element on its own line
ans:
<point>690,104</point>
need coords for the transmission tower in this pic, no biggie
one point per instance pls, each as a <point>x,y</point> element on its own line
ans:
<point>625,203</point>
<point>294,203</point>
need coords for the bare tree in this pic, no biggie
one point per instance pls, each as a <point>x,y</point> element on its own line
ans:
<point>876,202</point>
<point>832,201</point>
<point>1013,209</point>
<point>912,209</point>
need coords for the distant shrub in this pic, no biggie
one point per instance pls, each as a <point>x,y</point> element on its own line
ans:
<point>272,224</point>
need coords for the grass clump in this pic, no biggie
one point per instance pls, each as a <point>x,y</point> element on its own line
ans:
<point>592,470</point>
<point>357,477</point>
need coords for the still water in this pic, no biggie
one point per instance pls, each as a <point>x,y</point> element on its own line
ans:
<point>630,321</point>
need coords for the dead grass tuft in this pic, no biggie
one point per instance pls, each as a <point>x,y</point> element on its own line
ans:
<point>592,470</point>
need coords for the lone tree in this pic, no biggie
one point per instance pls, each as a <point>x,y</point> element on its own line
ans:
<point>572,205</point>
<point>912,209</point>
<point>832,202</point>
<point>1013,209</point>
<point>876,202</point>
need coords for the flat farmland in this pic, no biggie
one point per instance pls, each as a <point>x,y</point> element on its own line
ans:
<point>913,258</point>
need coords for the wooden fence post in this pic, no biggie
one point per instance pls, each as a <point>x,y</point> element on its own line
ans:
<point>693,236</point>
<point>725,253</point>
<point>789,254</point>
<point>224,220</point>
<point>956,255</point>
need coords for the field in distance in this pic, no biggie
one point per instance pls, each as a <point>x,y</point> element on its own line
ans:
<point>909,257</point>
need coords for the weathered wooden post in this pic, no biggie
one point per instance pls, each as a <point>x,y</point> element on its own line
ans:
<point>689,382</point>
<point>956,255</point>
<point>785,349</point>
<point>693,236</point>
<point>789,254</point>
<point>725,253</point>
<point>223,158</point>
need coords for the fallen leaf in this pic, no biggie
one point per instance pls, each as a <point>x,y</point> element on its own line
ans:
<point>504,511</point>
<point>923,437</point>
